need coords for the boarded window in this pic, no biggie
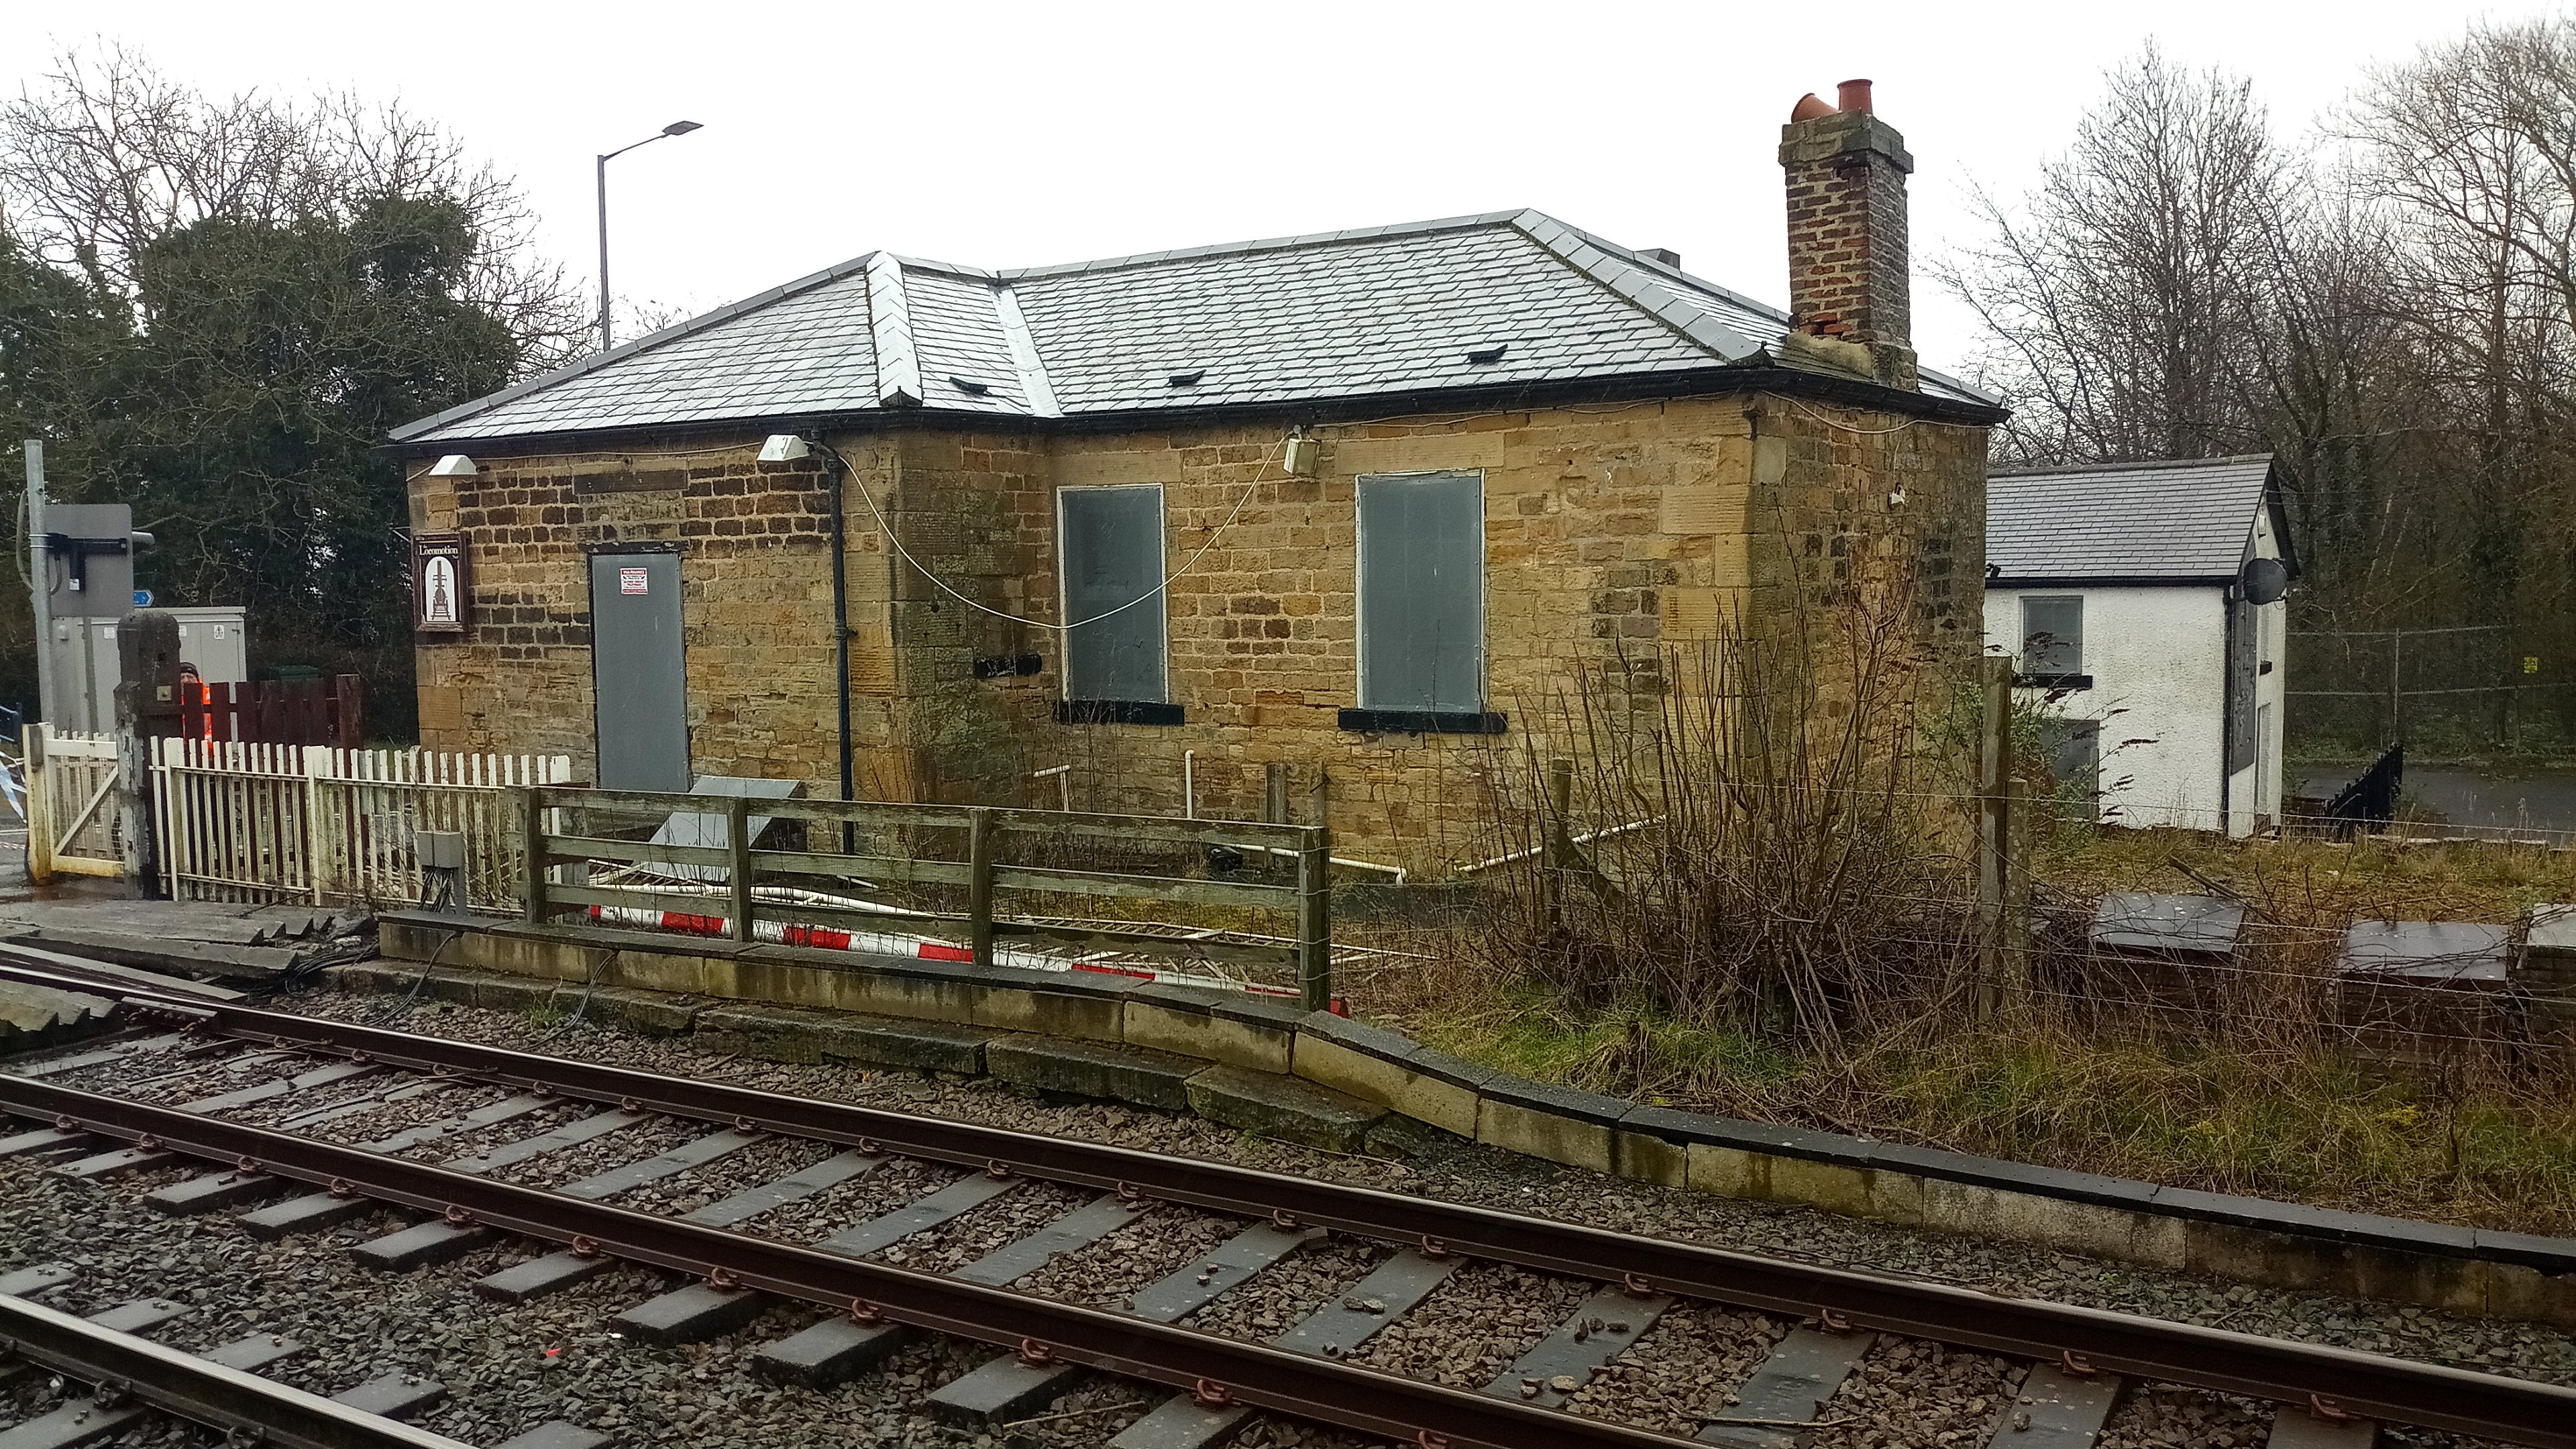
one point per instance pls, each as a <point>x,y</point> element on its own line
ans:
<point>2242,651</point>
<point>1110,556</point>
<point>2073,749</point>
<point>1422,592</point>
<point>2052,635</point>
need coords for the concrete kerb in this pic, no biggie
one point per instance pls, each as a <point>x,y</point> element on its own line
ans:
<point>1193,1049</point>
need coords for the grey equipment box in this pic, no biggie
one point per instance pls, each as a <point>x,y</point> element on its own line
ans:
<point>84,661</point>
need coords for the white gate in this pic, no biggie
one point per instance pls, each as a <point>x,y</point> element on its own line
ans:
<point>245,822</point>
<point>73,805</point>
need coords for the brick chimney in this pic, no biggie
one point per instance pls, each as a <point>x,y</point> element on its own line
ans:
<point>1848,265</point>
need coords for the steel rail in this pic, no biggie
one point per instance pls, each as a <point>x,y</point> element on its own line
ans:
<point>1221,1370</point>
<point>2373,1385</point>
<point>198,1390</point>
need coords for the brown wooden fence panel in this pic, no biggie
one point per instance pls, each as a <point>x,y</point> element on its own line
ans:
<point>276,712</point>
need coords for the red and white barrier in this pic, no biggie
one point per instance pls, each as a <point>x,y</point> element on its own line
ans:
<point>884,943</point>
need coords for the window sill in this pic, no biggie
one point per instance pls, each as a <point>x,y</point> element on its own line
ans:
<point>2054,681</point>
<point>1115,711</point>
<point>1423,721</point>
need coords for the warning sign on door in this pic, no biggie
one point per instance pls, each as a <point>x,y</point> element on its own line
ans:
<point>630,581</point>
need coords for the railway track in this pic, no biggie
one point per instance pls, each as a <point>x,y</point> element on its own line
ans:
<point>581,1139</point>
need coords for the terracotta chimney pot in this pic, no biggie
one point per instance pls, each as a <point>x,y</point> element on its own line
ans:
<point>1852,95</point>
<point>1809,107</point>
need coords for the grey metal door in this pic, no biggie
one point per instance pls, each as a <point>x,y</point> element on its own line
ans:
<point>638,678</point>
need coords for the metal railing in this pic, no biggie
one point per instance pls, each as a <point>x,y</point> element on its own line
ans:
<point>962,862</point>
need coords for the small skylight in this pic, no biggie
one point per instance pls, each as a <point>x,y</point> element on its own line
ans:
<point>970,386</point>
<point>1486,356</point>
<point>1187,379</point>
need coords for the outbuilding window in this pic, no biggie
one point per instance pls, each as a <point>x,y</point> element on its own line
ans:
<point>1422,604</point>
<point>2052,636</point>
<point>1109,544</point>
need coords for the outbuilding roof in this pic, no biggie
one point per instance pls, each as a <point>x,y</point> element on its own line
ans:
<point>1340,315</point>
<point>2144,523</point>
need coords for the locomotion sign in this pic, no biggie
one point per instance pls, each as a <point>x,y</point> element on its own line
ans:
<point>438,597</point>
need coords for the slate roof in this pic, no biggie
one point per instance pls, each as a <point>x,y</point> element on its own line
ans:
<point>1339,315</point>
<point>2173,522</point>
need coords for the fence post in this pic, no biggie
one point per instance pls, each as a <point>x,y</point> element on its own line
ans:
<point>536,838</point>
<point>317,765</point>
<point>1997,963</point>
<point>979,883</point>
<point>738,841</point>
<point>1555,842</point>
<point>1274,793</point>
<point>1315,918</point>
<point>40,806</point>
<point>349,696</point>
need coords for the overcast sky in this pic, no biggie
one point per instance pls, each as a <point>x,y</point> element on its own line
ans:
<point>1001,134</point>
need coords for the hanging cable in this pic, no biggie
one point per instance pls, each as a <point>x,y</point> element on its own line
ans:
<point>1258,478</point>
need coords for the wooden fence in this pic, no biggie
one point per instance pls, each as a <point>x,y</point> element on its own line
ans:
<point>972,855</point>
<point>275,712</point>
<point>73,806</point>
<point>268,822</point>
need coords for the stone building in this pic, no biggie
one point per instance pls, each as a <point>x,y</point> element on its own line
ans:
<point>1340,505</point>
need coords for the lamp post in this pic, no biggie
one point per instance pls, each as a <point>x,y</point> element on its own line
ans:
<point>676,128</point>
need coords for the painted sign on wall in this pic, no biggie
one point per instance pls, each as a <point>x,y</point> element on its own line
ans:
<point>438,597</point>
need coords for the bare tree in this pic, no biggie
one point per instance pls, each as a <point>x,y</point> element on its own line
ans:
<point>2122,294</point>
<point>110,155</point>
<point>2473,146</point>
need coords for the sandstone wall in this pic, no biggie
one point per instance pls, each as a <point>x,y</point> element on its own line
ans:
<point>1610,530</point>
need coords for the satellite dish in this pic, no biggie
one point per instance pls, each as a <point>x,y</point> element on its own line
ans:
<point>2264,580</point>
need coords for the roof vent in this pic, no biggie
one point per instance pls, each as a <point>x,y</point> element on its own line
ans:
<point>969,387</point>
<point>1666,255</point>
<point>1485,356</point>
<point>1187,379</point>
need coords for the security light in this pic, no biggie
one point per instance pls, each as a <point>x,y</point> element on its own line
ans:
<point>784,448</point>
<point>454,465</point>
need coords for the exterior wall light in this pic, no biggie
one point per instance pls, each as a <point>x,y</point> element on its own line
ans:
<point>784,448</point>
<point>454,465</point>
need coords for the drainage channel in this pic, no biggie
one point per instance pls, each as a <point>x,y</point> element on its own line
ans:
<point>2079,1356</point>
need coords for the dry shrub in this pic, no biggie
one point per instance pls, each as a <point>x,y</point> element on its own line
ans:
<point>1758,832</point>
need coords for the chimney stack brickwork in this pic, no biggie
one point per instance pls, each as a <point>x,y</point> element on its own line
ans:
<point>1849,272</point>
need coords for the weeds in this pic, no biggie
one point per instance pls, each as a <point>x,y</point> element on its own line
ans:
<point>1748,891</point>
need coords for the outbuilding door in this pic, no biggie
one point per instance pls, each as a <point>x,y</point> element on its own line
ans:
<point>638,680</point>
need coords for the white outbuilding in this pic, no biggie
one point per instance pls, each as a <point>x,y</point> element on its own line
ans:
<point>2142,603</point>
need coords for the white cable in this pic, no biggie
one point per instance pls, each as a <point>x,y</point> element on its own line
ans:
<point>1157,591</point>
<point>1816,416</point>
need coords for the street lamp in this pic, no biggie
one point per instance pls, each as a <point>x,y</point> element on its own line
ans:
<point>676,128</point>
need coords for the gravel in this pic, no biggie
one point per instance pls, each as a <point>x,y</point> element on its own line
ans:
<point>739,1171</point>
<point>1473,1325</point>
<point>2158,1416</point>
<point>979,1230</point>
<point>1466,1333</point>
<point>1681,1366</point>
<point>1910,1392</point>
<point>1144,1252</point>
<point>649,1138</point>
<point>1445,1167</point>
<point>1275,1301</point>
<point>506,1369</point>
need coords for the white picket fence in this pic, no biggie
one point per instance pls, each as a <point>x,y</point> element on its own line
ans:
<point>73,806</point>
<point>243,822</point>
